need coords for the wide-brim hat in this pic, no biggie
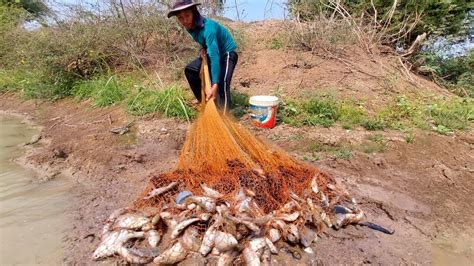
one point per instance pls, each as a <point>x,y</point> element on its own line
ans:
<point>179,5</point>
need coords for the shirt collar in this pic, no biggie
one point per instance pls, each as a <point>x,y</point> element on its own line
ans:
<point>199,22</point>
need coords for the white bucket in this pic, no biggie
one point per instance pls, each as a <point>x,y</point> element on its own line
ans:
<point>263,110</point>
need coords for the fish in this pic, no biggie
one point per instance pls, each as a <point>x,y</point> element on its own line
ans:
<point>307,236</point>
<point>271,246</point>
<point>156,219</point>
<point>266,257</point>
<point>257,244</point>
<point>227,258</point>
<point>158,191</point>
<point>172,255</point>
<point>274,235</point>
<point>147,227</point>
<point>296,197</point>
<point>153,237</point>
<point>208,204</point>
<point>290,206</point>
<point>209,192</point>
<point>289,217</point>
<point>191,239</point>
<point>324,199</point>
<point>325,219</point>
<point>209,237</point>
<point>224,241</point>
<point>294,235</point>
<point>131,221</point>
<point>113,241</point>
<point>248,224</point>
<point>168,219</point>
<point>250,256</point>
<point>132,256</point>
<point>111,219</point>
<point>314,185</point>
<point>342,219</point>
<point>181,226</point>
<point>205,216</point>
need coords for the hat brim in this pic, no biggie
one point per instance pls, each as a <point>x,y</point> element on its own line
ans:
<point>176,10</point>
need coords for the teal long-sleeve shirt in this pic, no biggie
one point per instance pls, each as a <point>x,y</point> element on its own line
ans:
<point>217,40</point>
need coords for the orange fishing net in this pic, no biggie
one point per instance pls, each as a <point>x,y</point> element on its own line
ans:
<point>225,156</point>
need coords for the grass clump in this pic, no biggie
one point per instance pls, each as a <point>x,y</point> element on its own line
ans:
<point>169,100</point>
<point>454,115</point>
<point>318,110</point>
<point>103,90</point>
<point>240,101</point>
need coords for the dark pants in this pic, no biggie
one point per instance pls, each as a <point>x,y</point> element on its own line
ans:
<point>228,63</point>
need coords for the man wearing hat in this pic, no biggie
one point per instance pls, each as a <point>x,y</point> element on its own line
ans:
<point>216,43</point>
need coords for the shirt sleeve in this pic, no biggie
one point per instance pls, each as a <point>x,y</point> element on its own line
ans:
<point>214,56</point>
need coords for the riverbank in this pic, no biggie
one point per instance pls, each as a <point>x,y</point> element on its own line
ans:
<point>420,189</point>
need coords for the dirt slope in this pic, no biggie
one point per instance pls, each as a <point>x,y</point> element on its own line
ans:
<point>423,189</point>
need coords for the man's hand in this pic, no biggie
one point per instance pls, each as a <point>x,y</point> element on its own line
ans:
<point>203,53</point>
<point>212,93</point>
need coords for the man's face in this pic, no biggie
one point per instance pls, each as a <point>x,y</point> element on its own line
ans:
<point>185,18</point>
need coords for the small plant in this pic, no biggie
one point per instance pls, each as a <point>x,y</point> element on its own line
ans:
<point>373,124</point>
<point>344,154</point>
<point>322,111</point>
<point>452,115</point>
<point>410,138</point>
<point>373,147</point>
<point>110,93</point>
<point>377,138</point>
<point>443,130</point>
<point>351,115</point>
<point>277,42</point>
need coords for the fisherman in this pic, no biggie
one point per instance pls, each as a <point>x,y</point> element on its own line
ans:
<point>216,43</point>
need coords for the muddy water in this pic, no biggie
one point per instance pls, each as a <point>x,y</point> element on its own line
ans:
<point>32,214</point>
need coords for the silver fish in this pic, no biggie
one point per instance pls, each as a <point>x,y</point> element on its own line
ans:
<point>153,237</point>
<point>257,244</point>
<point>324,199</point>
<point>111,220</point>
<point>113,241</point>
<point>132,257</point>
<point>271,246</point>
<point>274,235</point>
<point>250,256</point>
<point>156,219</point>
<point>173,255</point>
<point>181,226</point>
<point>130,221</point>
<point>168,219</point>
<point>325,219</point>
<point>307,236</point>
<point>227,258</point>
<point>314,185</point>
<point>208,204</point>
<point>347,218</point>
<point>209,192</point>
<point>191,239</point>
<point>289,217</point>
<point>209,237</point>
<point>158,191</point>
<point>266,257</point>
<point>225,241</point>
<point>248,224</point>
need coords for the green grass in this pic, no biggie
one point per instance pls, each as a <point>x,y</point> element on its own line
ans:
<point>351,115</point>
<point>170,101</point>
<point>453,115</point>
<point>103,90</point>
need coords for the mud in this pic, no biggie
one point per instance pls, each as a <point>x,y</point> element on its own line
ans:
<point>406,188</point>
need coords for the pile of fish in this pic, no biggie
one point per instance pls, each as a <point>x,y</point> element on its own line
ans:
<point>211,226</point>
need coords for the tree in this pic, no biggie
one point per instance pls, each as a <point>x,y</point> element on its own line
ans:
<point>36,8</point>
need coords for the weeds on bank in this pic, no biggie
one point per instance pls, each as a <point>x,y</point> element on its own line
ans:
<point>169,100</point>
<point>441,115</point>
